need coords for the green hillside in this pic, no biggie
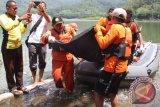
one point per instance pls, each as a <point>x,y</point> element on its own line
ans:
<point>86,8</point>
<point>71,8</point>
<point>145,9</point>
<point>91,9</point>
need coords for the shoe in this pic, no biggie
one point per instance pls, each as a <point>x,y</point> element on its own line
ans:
<point>24,90</point>
<point>16,93</point>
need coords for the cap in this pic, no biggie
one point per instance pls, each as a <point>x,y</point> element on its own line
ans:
<point>74,26</point>
<point>120,13</point>
<point>56,20</point>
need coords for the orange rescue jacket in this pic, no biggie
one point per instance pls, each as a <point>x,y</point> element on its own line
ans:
<point>65,37</point>
<point>135,30</point>
<point>117,34</point>
<point>105,24</point>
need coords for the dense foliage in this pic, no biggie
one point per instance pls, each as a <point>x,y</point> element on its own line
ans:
<point>86,8</point>
<point>93,9</point>
<point>145,9</point>
<point>72,8</point>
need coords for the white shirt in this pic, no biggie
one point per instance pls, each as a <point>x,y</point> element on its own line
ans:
<point>35,36</point>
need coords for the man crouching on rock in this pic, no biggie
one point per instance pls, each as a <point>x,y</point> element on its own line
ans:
<point>62,62</point>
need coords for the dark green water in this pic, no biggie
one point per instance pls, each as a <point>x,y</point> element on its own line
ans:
<point>151,31</point>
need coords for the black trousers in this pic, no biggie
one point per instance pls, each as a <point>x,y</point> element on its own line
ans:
<point>131,56</point>
<point>13,63</point>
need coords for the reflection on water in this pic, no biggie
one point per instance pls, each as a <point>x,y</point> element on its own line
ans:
<point>49,96</point>
<point>150,31</point>
<point>81,97</point>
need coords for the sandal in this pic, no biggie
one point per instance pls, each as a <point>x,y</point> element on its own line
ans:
<point>15,92</point>
<point>24,90</point>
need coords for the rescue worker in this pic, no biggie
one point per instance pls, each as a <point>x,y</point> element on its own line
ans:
<point>62,61</point>
<point>136,33</point>
<point>119,40</point>
<point>105,22</point>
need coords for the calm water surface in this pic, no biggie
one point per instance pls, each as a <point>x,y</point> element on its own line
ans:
<point>49,96</point>
<point>150,30</point>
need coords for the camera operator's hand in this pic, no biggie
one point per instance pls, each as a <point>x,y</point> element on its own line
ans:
<point>42,7</point>
<point>31,5</point>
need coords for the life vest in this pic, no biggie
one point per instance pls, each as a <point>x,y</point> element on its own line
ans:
<point>58,53</point>
<point>135,30</point>
<point>121,50</point>
<point>65,37</point>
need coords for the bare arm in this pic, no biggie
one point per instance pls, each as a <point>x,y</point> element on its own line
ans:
<point>140,38</point>
<point>9,26</point>
<point>44,38</point>
<point>44,12</point>
<point>31,5</point>
<point>47,17</point>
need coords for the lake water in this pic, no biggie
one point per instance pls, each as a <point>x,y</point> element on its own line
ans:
<point>49,96</point>
<point>150,30</point>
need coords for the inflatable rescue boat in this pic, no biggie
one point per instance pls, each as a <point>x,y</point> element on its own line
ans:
<point>146,66</point>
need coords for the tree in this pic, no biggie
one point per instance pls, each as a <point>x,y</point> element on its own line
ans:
<point>145,9</point>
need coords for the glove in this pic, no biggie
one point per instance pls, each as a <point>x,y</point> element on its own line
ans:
<point>51,39</point>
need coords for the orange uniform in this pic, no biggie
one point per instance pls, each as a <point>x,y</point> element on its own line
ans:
<point>62,61</point>
<point>135,30</point>
<point>105,24</point>
<point>116,35</point>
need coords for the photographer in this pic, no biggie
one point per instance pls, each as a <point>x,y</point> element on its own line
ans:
<point>62,61</point>
<point>35,47</point>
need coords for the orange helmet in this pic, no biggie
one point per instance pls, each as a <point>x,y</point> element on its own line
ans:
<point>74,26</point>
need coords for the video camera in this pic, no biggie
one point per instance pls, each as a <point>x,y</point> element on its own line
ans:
<point>36,3</point>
